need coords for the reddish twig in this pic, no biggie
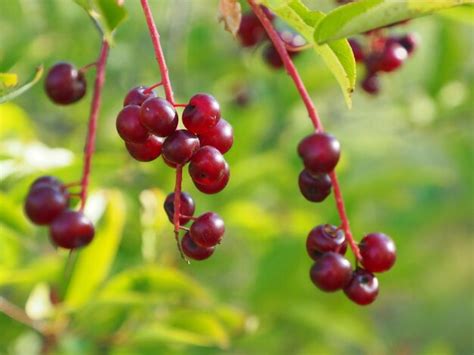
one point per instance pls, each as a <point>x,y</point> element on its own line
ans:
<point>177,207</point>
<point>150,88</point>
<point>293,73</point>
<point>94,115</point>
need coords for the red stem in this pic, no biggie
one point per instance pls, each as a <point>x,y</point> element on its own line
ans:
<point>313,114</point>
<point>177,206</point>
<point>94,115</point>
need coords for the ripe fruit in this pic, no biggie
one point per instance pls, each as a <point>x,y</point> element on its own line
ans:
<point>392,57</point>
<point>221,136</point>
<point>331,272</point>
<point>136,96</point>
<point>186,207</point>
<point>357,50</point>
<point>129,126</point>
<point>44,203</point>
<point>207,230</point>
<point>48,181</point>
<point>194,251</point>
<point>148,151</point>
<point>363,287</point>
<point>158,116</point>
<point>180,146</point>
<point>409,42</point>
<point>71,229</point>
<point>272,58</point>
<point>251,31</point>
<point>216,186</point>
<point>371,84</point>
<point>378,252</point>
<point>207,166</point>
<point>314,188</point>
<point>320,153</point>
<point>325,238</point>
<point>65,84</point>
<point>201,113</point>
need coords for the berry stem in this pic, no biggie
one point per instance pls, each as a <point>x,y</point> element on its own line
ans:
<point>177,207</point>
<point>94,115</point>
<point>312,112</point>
<point>150,88</point>
<point>18,314</point>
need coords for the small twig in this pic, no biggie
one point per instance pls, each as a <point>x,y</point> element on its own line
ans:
<point>18,314</point>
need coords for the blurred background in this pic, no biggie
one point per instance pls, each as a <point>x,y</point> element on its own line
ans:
<point>406,170</point>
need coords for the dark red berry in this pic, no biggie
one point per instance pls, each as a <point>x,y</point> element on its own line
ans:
<point>331,272</point>
<point>159,116</point>
<point>320,153</point>
<point>207,230</point>
<point>180,146</point>
<point>272,58</point>
<point>148,151</point>
<point>221,136</point>
<point>65,84</point>
<point>378,252</point>
<point>325,238</point>
<point>217,186</point>
<point>129,127</point>
<point>71,229</point>
<point>207,166</point>
<point>44,203</point>
<point>186,207</point>
<point>136,96</point>
<point>392,57</point>
<point>357,50</point>
<point>314,188</point>
<point>170,164</point>
<point>363,287</point>
<point>410,42</point>
<point>251,31</point>
<point>201,113</point>
<point>47,181</point>
<point>194,251</point>
<point>371,84</point>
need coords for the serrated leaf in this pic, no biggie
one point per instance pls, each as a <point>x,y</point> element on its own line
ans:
<point>8,80</point>
<point>11,94</point>
<point>230,13</point>
<point>366,15</point>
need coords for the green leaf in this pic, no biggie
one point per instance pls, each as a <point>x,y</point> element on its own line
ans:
<point>11,215</point>
<point>94,262</point>
<point>8,79</point>
<point>463,14</point>
<point>337,55</point>
<point>365,15</point>
<point>11,94</point>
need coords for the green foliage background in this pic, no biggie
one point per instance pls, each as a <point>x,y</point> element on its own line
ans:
<point>407,170</point>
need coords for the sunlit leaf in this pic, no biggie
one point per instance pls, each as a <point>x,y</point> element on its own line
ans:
<point>17,91</point>
<point>8,79</point>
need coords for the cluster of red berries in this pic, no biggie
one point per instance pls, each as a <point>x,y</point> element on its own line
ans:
<point>148,125</point>
<point>252,33</point>
<point>327,244</point>
<point>47,203</point>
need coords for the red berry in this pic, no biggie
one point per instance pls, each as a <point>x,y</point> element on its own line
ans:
<point>216,186</point>
<point>207,166</point>
<point>363,287</point>
<point>71,229</point>
<point>194,251</point>
<point>201,113</point>
<point>392,57</point>
<point>314,188</point>
<point>129,127</point>
<point>48,181</point>
<point>207,230</point>
<point>331,272</point>
<point>170,164</point>
<point>410,42</point>
<point>250,31</point>
<point>325,238</point>
<point>44,203</point>
<point>148,151</point>
<point>221,136</point>
<point>158,116</point>
<point>272,58</point>
<point>378,252</point>
<point>180,146</point>
<point>186,207</point>
<point>136,96</point>
<point>320,153</point>
<point>65,84</point>
<point>357,50</point>
<point>371,84</point>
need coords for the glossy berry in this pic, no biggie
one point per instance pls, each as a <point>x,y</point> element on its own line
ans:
<point>320,153</point>
<point>325,238</point>
<point>410,42</point>
<point>180,146</point>
<point>273,59</point>
<point>331,272</point>
<point>136,96</point>
<point>186,207</point>
<point>129,126</point>
<point>392,57</point>
<point>314,188</point>
<point>47,181</point>
<point>363,287</point>
<point>357,50</point>
<point>158,116</point>
<point>147,151</point>
<point>65,84</point>
<point>194,251</point>
<point>221,136</point>
<point>170,164</point>
<point>201,113</point>
<point>207,166</point>
<point>44,203</point>
<point>251,31</point>
<point>378,252</point>
<point>207,230</point>
<point>371,84</point>
<point>216,186</point>
<point>71,229</point>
